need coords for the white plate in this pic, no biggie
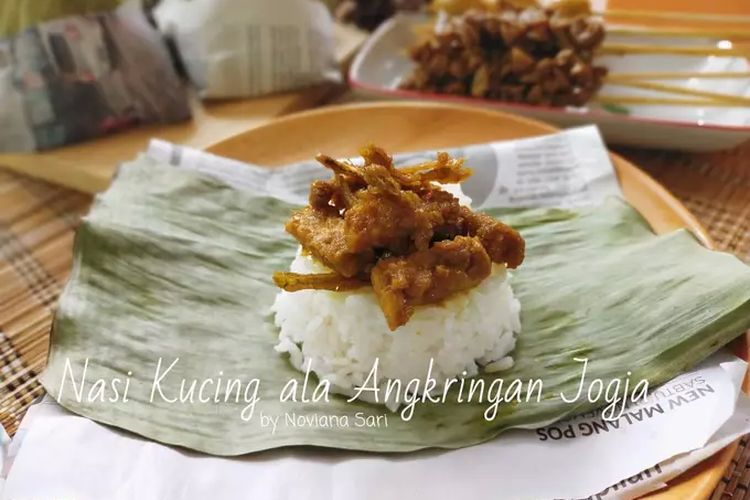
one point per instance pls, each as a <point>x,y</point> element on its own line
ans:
<point>383,62</point>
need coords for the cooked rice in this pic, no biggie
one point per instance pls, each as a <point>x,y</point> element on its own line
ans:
<point>341,334</point>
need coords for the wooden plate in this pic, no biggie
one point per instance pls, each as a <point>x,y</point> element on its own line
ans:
<point>400,127</point>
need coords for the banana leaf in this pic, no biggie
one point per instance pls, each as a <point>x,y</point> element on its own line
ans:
<point>17,15</point>
<point>172,264</point>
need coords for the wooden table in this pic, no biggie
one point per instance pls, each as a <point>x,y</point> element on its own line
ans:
<point>88,166</point>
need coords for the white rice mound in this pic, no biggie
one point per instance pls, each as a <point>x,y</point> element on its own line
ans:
<point>341,334</point>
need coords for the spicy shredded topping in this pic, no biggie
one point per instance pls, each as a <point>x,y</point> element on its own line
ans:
<point>396,230</point>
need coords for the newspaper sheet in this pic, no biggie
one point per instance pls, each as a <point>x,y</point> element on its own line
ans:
<point>235,48</point>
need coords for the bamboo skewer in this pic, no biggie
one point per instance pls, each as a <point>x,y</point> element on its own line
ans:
<point>674,16</point>
<point>701,97</point>
<point>678,32</point>
<point>622,49</point>
<point>660,101</point>
<point>676,75</point>
<point>675,89</point>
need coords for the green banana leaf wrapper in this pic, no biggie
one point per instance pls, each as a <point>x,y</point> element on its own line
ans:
<point>17,15</point>
<point>171,264</point>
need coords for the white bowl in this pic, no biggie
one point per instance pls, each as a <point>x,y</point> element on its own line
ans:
<point>383,62</point>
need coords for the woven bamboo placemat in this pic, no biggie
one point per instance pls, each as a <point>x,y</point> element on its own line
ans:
<point>37,224</point>
<point>38,221</point>
<point>714,186</point>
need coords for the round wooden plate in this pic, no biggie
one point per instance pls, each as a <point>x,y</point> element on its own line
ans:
<point>401,127</point>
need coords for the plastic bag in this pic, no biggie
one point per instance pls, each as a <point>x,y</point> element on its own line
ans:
<point>240,48</point>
